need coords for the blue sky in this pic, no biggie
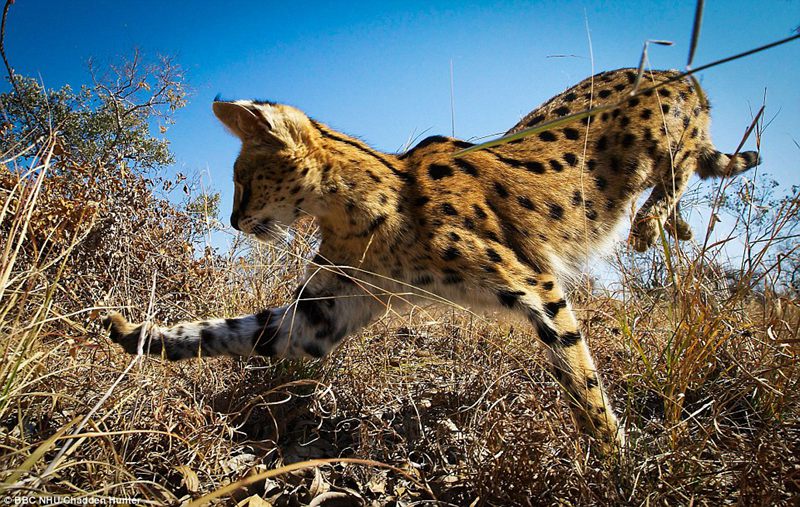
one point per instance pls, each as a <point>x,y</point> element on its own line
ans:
<point>381,70</point>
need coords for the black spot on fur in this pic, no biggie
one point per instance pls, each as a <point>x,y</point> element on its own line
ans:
<point>535,167</point>
<point>373,225</point>
<point>628,140</point>
<point>552,308</point>
<point>665,108</point>
<point>479,212</point>
<point>569,339</point>
<point>561,111</point>
<point>547,136</point>
<point>430,140</point>
<point>624,121</point>
<point>664,92</point>
<point>548,286</point>
<point>463,145</point>
<point>577,198</point>
<point>600,182</point>
<point>500,189</point>
<point>556,165</point>
<point>646,114</point>
<point>571,134</point>
<point>467,167</point>
<point>264,336</point>
<point>493,255</point>
<point>439,171</point>
<point>546,333</point>
<point>312,310</point>
<point>509,298</point>
<point>422,280</point>
<point>452,277</point>
<point>556,211</point>
<point>591,214</point>
<point>536,119</point>
<point>454,237</point>
<point>421,200</point>
<point>603,94</point>
<point>209,341</point>
<point>602,143</point>
<point>631,76</point>
<point>570,97</point>
<point>633,102</point>
<point>451,253</point>
<point>525,202</point>
<point>262,318</point>
<point>469,223</point>
<point>532,282</point>
<point>571,159</point>
<point>448,209</point>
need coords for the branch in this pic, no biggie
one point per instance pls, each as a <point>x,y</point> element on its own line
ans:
<point>10,70</point>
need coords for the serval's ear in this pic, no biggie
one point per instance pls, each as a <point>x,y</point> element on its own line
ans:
<point>242,119</point>
<point>264,122</point>
<point>288,125</point>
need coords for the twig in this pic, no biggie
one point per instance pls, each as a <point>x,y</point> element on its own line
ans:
<point>698,21</point>
<point>10,70</point>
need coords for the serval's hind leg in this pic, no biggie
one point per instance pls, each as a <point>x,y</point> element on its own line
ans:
<point>660,207</point>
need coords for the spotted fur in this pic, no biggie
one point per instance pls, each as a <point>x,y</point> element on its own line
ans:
<point>498,228</point>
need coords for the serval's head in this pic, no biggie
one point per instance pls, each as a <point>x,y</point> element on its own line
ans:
<point>276,180</point>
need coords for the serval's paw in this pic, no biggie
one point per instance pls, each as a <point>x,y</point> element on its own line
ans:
<point>679,229</point>
<point>644,233</point>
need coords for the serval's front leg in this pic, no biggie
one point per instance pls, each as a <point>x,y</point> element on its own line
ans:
<point>575,370</point>
<point>539,298</point>
<point>326,308</point>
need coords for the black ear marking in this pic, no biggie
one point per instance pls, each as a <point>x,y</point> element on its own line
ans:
<point>218,98</point>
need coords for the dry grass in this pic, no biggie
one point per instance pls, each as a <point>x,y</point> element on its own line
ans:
<point>454,406</point>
